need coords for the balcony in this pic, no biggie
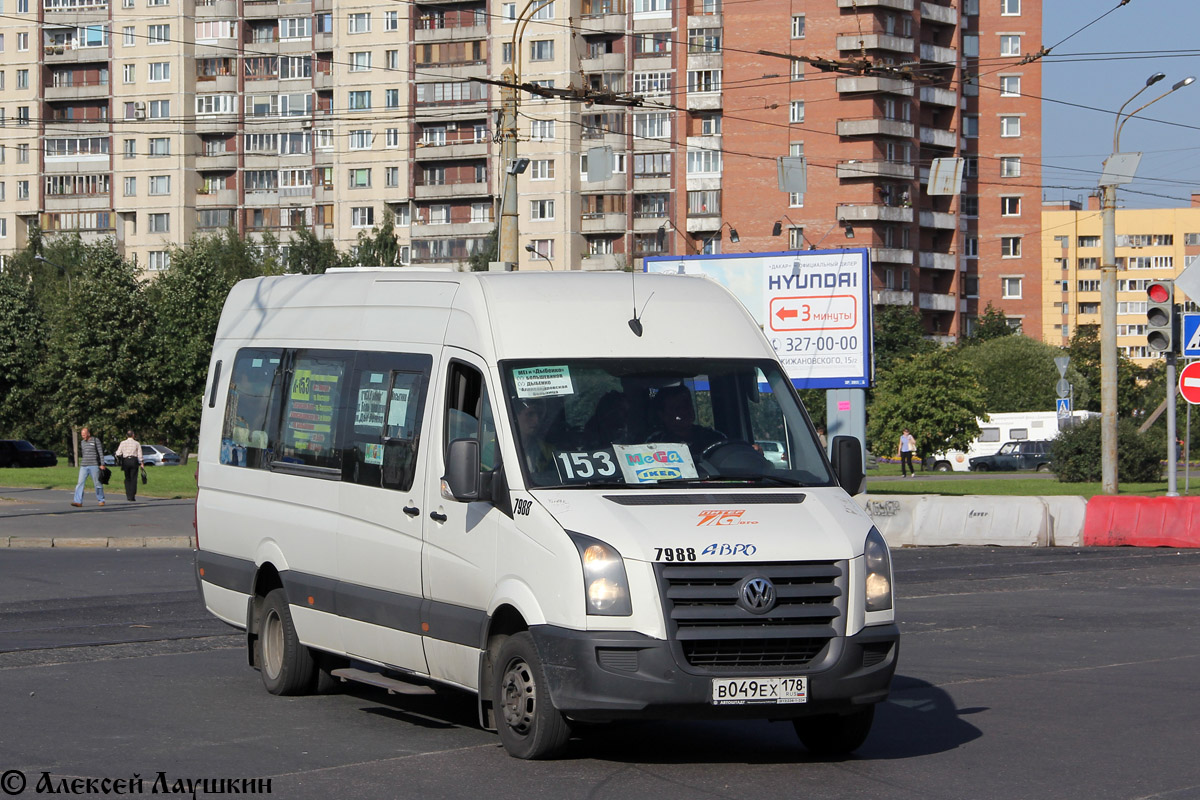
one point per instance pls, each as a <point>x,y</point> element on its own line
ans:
<point>874,126</point>
<point>604,23</point>
<point>216,197</point>
<point>216,123</point>
<point>932,12</point>
<point>450,34</point>
<point>217,9</point>
<point>939,55</point>
<point>455,229</point>
<point>938,137</point>
<point>603,261</point>
<point>874,213</point>
<point>938,219</point>
<point>704,101</point>
<point>451,150</point>
<point>892,297</point>
<point>447,190</point>
<point>946,261</point>
<point>849,170</point>
<point>223,162</point>
<point>78,202</point>
<point>648,223</point>
<point>937,302</point>
<point>892,255</point>
<point>874,85</point>
<point>606,62</point>
<point>704,224</point>
<point>899,5</point>
<point>874,41</point>
<point>69,53</point>
<point>941,97</point>
<point>602,222</point>
<point>76,90</point>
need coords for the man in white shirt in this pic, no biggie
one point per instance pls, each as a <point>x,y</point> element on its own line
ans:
<point>129,459</point>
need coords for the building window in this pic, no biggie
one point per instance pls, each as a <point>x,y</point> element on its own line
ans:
<point>160,184</point>
<point>797,26</point>
<point>160,146</point>
<point>1010,166</point>
<point>22,190</point>
<point>970,124</point>
<point>22,42</point>
<point>362,216</point>
<point>391,20</point>
<point>541,50</point>
<point>541,130</point>
<point>541,169</point>
<point>361,139</point>
<point>545,12</point>
<point>1010,206</point>
<point>1010,85</point>
<point>1010,246</point>
<point>359,101</point>
<point>1010,127</point>
<point>360,62</point>
<point>360,178</point>
<point>160,71</point>
<point>1010,288</point>
<point>971,247</point>
<point>544,248</point>
<point>159,259</point>
<point>541,209</point>
<point>131,187</point>
<point>130,148</point>
<point>392,137</point>
<point>360,22</point>
<point>392,98</point>
<point>158,34</point>
<point>704,80</point>
<point>128,73</point>
<point>796,111</point>
<point>797,70</point>
<point>703,160</point>
<point>1010,8</point>
<point>161,109</point>
<point>1010,45</point>
<point>159,223</point>
<point>23,154</point>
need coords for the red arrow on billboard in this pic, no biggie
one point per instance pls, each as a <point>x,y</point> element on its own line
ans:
<point>786,313</point>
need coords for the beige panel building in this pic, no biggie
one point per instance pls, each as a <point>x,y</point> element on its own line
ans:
<point>1152,244</point>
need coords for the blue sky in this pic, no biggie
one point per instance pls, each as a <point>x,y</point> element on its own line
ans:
<point>1096,71</point>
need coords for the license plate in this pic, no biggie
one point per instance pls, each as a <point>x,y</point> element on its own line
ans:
<point>746,691</point>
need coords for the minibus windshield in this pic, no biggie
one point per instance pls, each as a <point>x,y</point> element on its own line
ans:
<point>656,422</point>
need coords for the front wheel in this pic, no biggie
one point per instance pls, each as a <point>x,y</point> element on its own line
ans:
<point>942,466</point>
<point>831,736</point>
<point>530,726</point>
<point>287,665</point>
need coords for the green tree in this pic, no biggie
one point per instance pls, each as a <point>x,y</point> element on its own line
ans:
<point>992,324</point>
<point>379,248</point>
<point>490,252</point>
<point>897,334</point>
<point>932,394</point>
<point>1017,373</point>
<point>310,255</point>
<point>22,349</point>
<point>1077,454</point>
<point>1084,350</point>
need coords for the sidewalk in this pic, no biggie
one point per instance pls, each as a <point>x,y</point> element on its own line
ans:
<point>45,518</point>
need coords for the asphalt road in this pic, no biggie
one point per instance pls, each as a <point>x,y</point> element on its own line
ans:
<point>1047,673</point>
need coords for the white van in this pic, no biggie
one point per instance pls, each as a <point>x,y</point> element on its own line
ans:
<point>1001,427</point>
<point>512,484</point>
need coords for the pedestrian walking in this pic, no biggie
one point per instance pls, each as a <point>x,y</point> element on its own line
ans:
<point>129,459</point>
<point>91,458</point>
<point>908,446</point>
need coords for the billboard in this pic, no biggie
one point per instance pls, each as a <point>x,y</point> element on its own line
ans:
<point>813,305</point>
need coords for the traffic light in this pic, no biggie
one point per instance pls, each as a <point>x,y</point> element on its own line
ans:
<point>1160,316</point>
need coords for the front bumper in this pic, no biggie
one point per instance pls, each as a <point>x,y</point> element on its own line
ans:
<point>617,675</point>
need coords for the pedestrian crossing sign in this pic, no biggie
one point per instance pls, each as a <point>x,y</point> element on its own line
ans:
<point>1191,335</point>
<point>1063,406</point>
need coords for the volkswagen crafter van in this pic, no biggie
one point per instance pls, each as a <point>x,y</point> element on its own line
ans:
<point>540,488</point>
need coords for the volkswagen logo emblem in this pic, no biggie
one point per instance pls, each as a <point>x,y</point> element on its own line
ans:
<point>757,595</point>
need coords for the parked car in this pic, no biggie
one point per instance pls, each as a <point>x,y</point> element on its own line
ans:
<point>20,453</point>
<point>1015,455</point>
<point>773,451</point>
<point>159,455</point>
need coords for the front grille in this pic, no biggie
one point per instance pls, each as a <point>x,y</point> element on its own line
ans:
<point>713,633</point>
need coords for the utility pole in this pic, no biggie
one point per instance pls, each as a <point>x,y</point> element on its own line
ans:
<point>507,246</point>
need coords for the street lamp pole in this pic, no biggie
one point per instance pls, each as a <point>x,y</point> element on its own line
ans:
<point>1108,289</point>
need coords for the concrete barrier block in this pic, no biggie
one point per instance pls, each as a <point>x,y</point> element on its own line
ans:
<point>169,541</point>
<point>127,541</point>
<point>80,542</point>
<point>31,541</point>
<point>982,520</point>
<point>1142,521</point>
<point>1067,515</point>
<point>893,515</point>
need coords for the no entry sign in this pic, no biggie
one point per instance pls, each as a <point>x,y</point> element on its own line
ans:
<point>1189,383</point>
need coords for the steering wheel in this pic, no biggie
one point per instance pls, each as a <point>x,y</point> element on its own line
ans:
<point>735,455</point>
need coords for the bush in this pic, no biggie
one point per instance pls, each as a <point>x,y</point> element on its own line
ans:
<point>1077,454</point>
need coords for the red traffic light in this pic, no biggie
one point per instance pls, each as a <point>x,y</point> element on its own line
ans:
<point>1158,292</point>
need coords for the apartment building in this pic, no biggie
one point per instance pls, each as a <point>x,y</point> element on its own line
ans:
<point>154,120</point>
<point>1151,244</point>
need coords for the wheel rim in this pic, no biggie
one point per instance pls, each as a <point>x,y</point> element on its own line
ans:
<point>272,644</point>
<point>518,694</point>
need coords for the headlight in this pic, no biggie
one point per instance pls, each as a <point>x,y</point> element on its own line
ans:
<point>605,587</point>
<point>879,572</point>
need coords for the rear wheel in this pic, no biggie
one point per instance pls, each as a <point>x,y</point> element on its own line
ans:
<point>1043,468</point>
<point>835,735</point>
<point>980,467</point>
<point>287,666</point>
<point>530,726</point>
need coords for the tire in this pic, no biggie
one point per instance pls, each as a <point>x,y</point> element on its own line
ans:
<point>287,666</point>
<point>1043,467</point>
<point>942,466</point>
<point>981,468</point>
<point>832,736</point>
<point>530,726</point>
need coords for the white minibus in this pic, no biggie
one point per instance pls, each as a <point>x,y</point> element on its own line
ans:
<point>540,488</point>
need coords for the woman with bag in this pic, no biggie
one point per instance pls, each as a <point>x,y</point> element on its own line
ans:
<point>129,458</point>
<point>91,463</point>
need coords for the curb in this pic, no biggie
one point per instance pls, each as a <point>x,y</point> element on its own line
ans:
<point>80,543</point>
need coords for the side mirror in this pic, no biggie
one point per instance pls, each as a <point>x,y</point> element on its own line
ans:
<point>847,458</point>
<point>462,469</point>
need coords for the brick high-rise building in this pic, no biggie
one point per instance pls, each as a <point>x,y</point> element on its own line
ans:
<point>153,120</point>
